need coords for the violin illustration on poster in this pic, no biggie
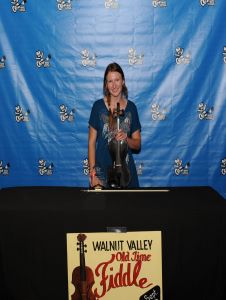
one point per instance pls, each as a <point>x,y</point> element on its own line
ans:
<point>110,265</point>
<point>82,275</point>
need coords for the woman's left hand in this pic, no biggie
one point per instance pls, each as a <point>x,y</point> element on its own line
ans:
<point>121,135</point>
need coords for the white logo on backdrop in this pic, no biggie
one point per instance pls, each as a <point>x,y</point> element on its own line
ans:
<point>18,6</point>
<point>180,57</point>
<point>179,168</point>
<point>111,4</point>
<point>134,58</point>
<point>2,62</point>
<point>42,61</point>
<point>65,115</point>
<point>87,59</point>
<point>207,2</point>
<point>86,167</point>
<point>156,113</point>
<point>223,166</point>
<point>64,5</point>
<point>45,169</point>
<point>159,3</point>
<point>224,54</point>
<point>204,112</point>
<point>4,170</point>
<point>20,115</point>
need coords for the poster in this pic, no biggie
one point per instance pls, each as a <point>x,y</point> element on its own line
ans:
<point>111,265</point>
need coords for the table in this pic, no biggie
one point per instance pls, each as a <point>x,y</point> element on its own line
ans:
<point>34,222</point>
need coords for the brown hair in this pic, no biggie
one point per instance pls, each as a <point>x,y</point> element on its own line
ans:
<point>113,67</point>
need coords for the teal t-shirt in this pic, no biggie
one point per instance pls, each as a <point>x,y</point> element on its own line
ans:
<point>129,123</point>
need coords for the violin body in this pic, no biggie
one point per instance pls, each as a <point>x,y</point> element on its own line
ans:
<point>83,289</point>
<point>118,174</point>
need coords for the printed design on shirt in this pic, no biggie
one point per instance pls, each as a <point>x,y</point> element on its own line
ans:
<point>134,58</point>
<point>223,166</point>
<point>4,169</point>
<point>64,5</point>
<point>204,112</point>
<point>111,4</point>
<point>224,55</point>
<point>18,6</point>
<point>179,168</point>
<point>125,125</point>
<point>2,62</point>
<point>45,169</point>
<point>20,115</point>
<point>41,60</point>
<point>207,2</point>
<point>181,58</point>
<point>106,133</point>
<point>88,60</point>
<point>159,3</point>
<point>66,115</point>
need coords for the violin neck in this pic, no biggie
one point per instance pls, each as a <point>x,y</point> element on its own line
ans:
<point>118,123</point>
<point>118,114</point>
<point>82,266</point>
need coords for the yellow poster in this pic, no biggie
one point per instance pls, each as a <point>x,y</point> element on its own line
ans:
<point>115,266</point>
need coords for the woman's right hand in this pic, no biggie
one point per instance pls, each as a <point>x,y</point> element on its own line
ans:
<point>94,180</point>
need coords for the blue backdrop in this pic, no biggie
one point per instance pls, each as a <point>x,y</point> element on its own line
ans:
<point>52,60</point>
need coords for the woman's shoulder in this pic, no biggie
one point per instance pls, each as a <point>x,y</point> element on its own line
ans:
<point>98,103</point>
<point>131,104</point>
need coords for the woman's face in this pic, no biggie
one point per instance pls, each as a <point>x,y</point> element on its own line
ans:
<point>114,83</point>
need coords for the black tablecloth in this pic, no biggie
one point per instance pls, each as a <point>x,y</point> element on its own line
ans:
<point>34,222</point>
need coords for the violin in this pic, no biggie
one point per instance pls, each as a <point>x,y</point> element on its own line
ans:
<point>82,276</point>
<point>118,174</point>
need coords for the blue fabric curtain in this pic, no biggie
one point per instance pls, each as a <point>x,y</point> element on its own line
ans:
<point>52,60</point>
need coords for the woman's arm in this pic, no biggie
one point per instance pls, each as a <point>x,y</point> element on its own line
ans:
<point>92,148</point>
<point>135,141</point>
<point>93,179</point>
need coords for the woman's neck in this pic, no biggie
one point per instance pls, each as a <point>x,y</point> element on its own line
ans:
<point>113,102</point>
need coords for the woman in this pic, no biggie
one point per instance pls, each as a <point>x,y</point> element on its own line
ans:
<point>102,128</point>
